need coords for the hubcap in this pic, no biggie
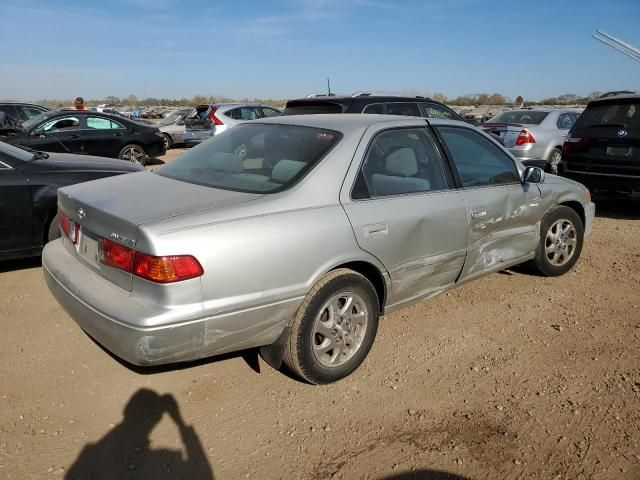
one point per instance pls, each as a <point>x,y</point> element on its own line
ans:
<point>133,154</point>
<point>560,243</point>
<point>339,329</point>
<point>555,160</point>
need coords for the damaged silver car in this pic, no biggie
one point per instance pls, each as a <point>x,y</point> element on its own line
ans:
<point>295,234</point>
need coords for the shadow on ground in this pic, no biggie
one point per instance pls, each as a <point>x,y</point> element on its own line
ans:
<point>426,475</point>
<point>617,208</point>
<point>125,451</point>
<point>154,161</point>
<point>20,264</point>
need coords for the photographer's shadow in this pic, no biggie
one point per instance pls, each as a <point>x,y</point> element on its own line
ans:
<point>124,452</point>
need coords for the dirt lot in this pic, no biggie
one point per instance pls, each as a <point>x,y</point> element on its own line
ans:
<point>513,376</point>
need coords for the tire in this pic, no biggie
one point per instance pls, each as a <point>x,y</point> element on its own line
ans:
<point>133,153</point>
<point>321,349</point>
<point>53,232</point>
<point>168,142</point>
<point>553,261</point>
<point>553,160</point>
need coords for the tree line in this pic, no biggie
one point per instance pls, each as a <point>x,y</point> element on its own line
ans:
<point>462,100</point>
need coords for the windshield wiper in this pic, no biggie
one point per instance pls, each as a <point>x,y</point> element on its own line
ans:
<point>40,155</point>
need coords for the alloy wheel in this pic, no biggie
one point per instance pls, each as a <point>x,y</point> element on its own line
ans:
<point>560,242</point>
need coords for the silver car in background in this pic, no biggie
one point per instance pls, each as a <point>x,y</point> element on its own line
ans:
<point>172,127</point>
<point>534,134</point>
<point>222,116</point>
<point>294,234</point>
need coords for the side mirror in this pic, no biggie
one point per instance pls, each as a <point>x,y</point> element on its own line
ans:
<point>37,132</point>
<point>533,175</point>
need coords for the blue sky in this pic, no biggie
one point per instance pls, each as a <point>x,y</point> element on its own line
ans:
<point>287,48</point>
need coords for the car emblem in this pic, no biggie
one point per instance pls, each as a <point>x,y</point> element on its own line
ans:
<point>81,214</point>
<point>622,133</point>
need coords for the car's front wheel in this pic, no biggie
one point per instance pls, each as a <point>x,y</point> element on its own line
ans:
<point>554,159</point>
<point>561,238</point>
<point>168,142</point>
<point>133,153</point>
<point>334,328</point>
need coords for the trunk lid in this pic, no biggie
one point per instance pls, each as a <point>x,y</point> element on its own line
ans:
<point>199,119</point>
<point>507,132</point>
<point>114,207</point>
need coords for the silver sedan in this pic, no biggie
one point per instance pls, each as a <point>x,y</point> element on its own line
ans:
<point>295,234</point>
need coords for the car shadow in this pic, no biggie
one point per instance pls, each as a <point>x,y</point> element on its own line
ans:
<point>617,208</point>
<point>20,264</point>
<point>126,452</point>
<point>426,475</point>
<point>154,161</point>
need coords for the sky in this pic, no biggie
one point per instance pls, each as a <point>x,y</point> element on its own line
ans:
<point>287,48</point>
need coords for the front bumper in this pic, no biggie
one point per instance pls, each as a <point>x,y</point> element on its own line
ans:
<point>105,312</point>
<point>589,214</point>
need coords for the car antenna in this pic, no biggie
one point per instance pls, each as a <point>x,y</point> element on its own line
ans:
<point>328,86</point>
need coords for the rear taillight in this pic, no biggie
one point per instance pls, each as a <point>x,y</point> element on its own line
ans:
<point>115,255</point>
<point>169,269</point>
<point>173,268</point>
<point>213,118</point>
<point>525,137</point>
<point>573,143</point>
<point>70,228</point>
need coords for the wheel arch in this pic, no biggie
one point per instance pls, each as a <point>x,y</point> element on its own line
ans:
<point>577,207</point>
<point>371,273</point>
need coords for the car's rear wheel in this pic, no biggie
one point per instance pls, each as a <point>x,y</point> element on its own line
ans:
<point>561,238</point>
<point>554,159</point>
<point>168,142</point>
<point>133,153</point>
<point>334,328</point>
<point>53,231</point>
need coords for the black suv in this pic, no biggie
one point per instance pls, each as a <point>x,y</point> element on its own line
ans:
<point>365,102</point>
<point>602,150</point>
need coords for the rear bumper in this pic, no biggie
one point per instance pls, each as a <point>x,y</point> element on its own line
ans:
<point>104,311</point>
<point>194,137</point>
<point>603,183</point>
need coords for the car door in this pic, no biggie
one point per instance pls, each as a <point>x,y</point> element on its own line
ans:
<point>60,134</point>
<point>503,213</point>
<point>405,211</point>
<point>16,209</point>
<point>103,136</point>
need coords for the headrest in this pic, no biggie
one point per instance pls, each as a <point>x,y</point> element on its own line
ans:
<point>402,162</point>
<point>285,170</point>
<point>226,162</point>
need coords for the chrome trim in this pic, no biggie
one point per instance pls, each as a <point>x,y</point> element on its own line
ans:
<point>6,167</point>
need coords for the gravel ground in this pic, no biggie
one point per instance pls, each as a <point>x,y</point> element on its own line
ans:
<point>512,376</point>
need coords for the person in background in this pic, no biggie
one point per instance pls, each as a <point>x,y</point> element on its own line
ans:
<point>79,104</point>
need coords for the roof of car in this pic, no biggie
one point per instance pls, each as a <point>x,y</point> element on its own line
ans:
<point>614,98</point>
<point>360,98</point>
<point>353,121</point>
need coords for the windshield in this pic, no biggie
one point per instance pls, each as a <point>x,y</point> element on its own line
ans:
<point>527,117</point>
<point>15,152</point>
<point>253,158</point>
<point>170,119</point>
<point>27,124</point>
<point>625,115</point>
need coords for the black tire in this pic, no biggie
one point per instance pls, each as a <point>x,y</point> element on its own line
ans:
<point>554,159</point>
<point>53,232</point>
<point>543,261</point>
<point>133,153</point>
<point>299,353</point>
<point>168,142</point>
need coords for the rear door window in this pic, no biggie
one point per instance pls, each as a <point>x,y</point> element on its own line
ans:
<point>479,162</point>
<point>100,123</point>
<point>404,108</point>
<point>244,113</point>
<point>431,110</point>
<point>270,112</point>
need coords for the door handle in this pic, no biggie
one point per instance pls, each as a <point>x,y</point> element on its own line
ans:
<point>375,230</point>
<point>117,134</point>
<point>478,212</point>
<point>75,136</point>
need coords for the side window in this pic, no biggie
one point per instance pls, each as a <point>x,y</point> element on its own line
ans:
<point>373,108</point>
<point>405,108</point>
<point>100,123</point>
<point>479,162</point>
<point>61,124</point>
<point>398,162</point>
<point>270,112</point>
<point>565,121</point>
<point>243,113</point>
<point>431,110</point>
<point>10,112</point>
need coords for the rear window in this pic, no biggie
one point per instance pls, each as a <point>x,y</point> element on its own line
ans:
<point>528,117</point>
<point>253,158</point>
<point>625,115</point>
<point>312,108</point>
